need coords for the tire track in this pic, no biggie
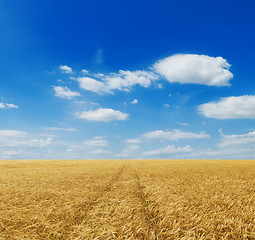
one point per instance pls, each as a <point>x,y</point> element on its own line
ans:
<point>89,205</point>
<point>109,186</point>
<point>149,212</point>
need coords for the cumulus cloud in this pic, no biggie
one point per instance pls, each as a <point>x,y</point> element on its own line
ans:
<point>93,85</point>
<point>168,150</point>
<point>95,143</point>
<point>90,148</point>
<point>65,92</point>
<point>182,68</point>
<point>237,140</point>
<point>11,153</point>
<point>231,152</point>
<point>125,80</point>
<point>182,123</point>
<point>60,129</point>
<point>102,115</point>
<point>84,71</point>
<point>15,138</point>
<point>65,69</point>
<point>230,108</point>
<point>99,75</point>
<point>11,134</point>
<point>11,105</point>
<point>7,105</point>
<point>174,135</point>
<point>130,151</point>
<point>232,146</point>
<point>133,141</point>
<point>99,151</point>
<point>30,142</point>
<point>193,68</point>
<point>122,81</point>
<point>135,101</point>
<point>39,142</point>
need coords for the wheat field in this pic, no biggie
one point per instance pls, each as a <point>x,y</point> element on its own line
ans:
<point>127,199</point>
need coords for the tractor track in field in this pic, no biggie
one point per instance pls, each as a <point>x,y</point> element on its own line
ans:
<point>107,188</point>
<point>88,206</point>
<point>150,216</point>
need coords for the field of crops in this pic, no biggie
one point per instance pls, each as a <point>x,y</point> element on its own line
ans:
<point>131,199</point>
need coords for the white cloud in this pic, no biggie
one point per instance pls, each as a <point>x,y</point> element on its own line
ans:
<point>168,150</point>
<point>60,129</point>
<point>133,141</point>
<point>130,151</point>
<point>102,115</point>
<point>7,105</point>
<point>65,69</point>
<point>28,142</point>
<point>98,137</point>
<point>39,142</point>
<point>11,134</point>
<point>135,101</point>
<point>122,81</point>
<point>174,135</point>
<point>237,140</point>
<point>65,92</point>
<point>99,151</point>
<point>95,143</point>
<point>94,103</point>
<point>10,105</point>
<point>193,68</point>
<point>89,148</point>
<point>182,68</point>
<point>182,123</point>
<point>230,153</point>
<point>99,75</point>
<point>84,71</point>
<point>16,139</point>
<point>11,153</point>
<point>93,85</point>
<point>79,102</point>
<point>47,135</point>
<point>230,108</point>
<point>233,146</point>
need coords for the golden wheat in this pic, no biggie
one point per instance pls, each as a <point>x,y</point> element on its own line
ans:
<point>132,199</point>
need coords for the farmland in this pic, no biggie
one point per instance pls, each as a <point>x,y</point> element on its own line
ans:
<point>127,199</point>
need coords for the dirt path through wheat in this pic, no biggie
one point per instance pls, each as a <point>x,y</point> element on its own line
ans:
<point>123,211</point>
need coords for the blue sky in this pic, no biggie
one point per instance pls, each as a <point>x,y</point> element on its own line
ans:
<point>134,79</point>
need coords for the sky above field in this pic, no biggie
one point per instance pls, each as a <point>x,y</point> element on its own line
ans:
<point>127,79</point>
